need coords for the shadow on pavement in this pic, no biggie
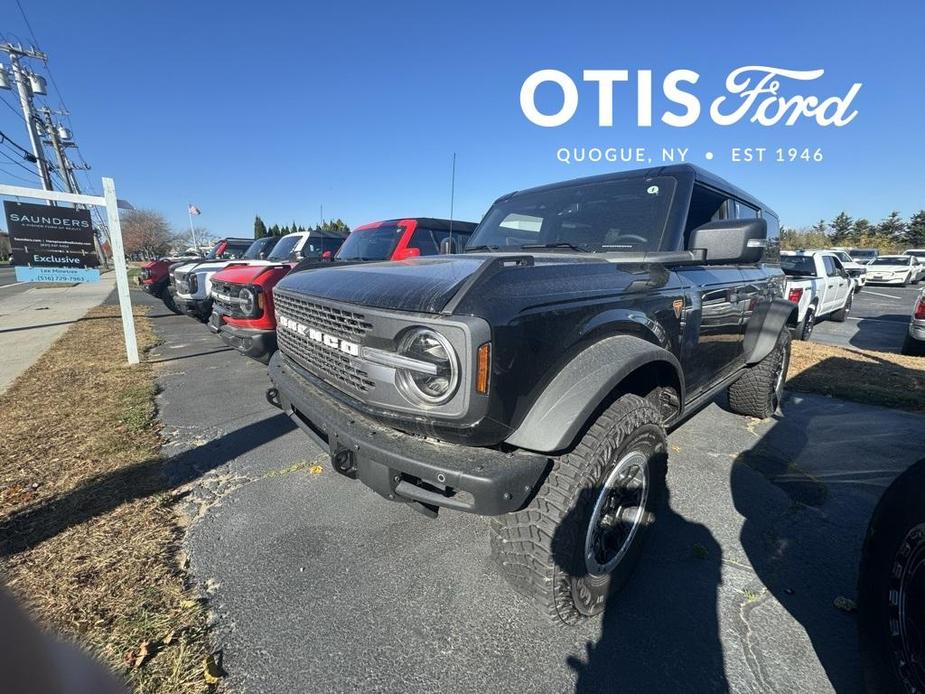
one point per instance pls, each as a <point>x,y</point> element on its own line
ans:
<point>884,333</point>
<point>217,350</point>
<point>100,495</point>
<point>660,633</point>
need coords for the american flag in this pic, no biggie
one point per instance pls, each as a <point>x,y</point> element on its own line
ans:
<point>193,209</point>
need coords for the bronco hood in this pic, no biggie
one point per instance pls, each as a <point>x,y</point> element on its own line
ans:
<point>427,285</point>
<point>248,273</point>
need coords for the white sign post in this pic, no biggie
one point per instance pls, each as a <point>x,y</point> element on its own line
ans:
<point>112,205</point>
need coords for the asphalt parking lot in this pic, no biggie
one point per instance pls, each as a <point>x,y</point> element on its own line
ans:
<point>316,584</point>
<point>878,320</point>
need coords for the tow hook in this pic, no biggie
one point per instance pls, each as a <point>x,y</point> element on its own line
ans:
<point>272,396</point>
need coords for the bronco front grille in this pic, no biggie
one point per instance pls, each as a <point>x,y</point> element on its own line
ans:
<point>335,367</point>
<point>327,318</point>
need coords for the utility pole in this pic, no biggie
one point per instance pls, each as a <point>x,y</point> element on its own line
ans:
<point>24,81</point>
<point>64,165</point>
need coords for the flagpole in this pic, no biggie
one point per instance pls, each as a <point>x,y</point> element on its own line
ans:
<point>192,231</point>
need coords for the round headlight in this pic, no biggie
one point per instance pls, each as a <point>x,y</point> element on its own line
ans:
<point>248,300</point>
<point>436,381</point>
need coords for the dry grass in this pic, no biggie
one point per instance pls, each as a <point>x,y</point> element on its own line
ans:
<point>88,538</point>
<point>875,378</point>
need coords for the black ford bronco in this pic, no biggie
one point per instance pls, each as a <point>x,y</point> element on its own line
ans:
<point>532,375</point>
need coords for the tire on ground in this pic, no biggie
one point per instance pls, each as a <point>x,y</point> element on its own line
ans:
<point>892,549</point>
<point>541,548</point>
<point>913,347</point>
<point>758,391</point>
<point>841,315</point>
<point>805,327</point>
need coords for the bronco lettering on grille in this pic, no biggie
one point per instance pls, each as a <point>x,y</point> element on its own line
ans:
<point>329,341</point>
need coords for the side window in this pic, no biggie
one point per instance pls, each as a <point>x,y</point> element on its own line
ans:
<point>772,252</point>
<point>329,244</point>
<point>706,206</point>
<point>829,263</point>
<point>744,211</point>
<point>424,239</point>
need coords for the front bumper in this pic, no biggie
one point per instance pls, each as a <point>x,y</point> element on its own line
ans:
<point>917,330</point>
<point>197,308</point>
<point>889,280</point>
<point>256,344</point>
<point>401,467</point>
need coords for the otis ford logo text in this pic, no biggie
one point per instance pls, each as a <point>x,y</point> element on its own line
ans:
<point>761,94</point>
<point>315,335</point>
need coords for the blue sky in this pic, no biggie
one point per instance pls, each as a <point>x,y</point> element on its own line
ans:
<point>279,108</point>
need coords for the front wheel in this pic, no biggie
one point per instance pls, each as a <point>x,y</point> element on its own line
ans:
<point>579,539</point>
<point>760,389</point>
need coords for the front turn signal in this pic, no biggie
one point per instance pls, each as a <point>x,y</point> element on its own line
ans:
<point>483,369</point>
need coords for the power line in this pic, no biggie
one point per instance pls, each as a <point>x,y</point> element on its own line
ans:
<point>30,181</point>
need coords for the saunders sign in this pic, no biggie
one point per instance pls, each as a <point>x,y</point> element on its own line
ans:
<point>51,244</point>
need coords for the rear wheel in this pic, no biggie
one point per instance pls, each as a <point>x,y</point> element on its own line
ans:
<point>805,328</point>
<point>841,315</point>
<point>891,588</point>
<point>759,391</point>
<point>169,302</point>
<point>579,539</point>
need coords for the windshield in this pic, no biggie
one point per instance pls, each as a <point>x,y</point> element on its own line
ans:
<point>844,257</point>
<point>371,244</point>
<point>862,254</point>
<point>892,260</point>
<point>284,248</point>
<point>917,254</point>
<point>798,265</point>
<point>257,247</point>
<point>605,217</point>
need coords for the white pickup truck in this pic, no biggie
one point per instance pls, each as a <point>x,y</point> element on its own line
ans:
<point>819,285</point>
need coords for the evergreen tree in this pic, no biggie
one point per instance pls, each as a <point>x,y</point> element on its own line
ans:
<point>821,227</point>
<point>915,233</point>
<point>892,229</point>
<point>841,228</point>
<point>862,232</point>
<point>275,230</point>
<point>260,229</point>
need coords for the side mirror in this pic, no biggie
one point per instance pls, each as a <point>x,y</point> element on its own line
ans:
<point>296,256</point>
<point>405,253</point>
<point>731,241</point>
<point>449,246</point>
<point>261,256</point>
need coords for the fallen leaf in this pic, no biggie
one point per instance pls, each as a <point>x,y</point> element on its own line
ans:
<point>315,470</point>
<point>144,652</point>
<point>676,449</point>
<point>210,670</point>
<point>187,604</point>
<point>170,638</point>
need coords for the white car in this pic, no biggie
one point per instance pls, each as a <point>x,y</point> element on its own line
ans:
<point>919,255</point>
<point>857,271</point>
<point>819,285</point>
<point>894,269</point>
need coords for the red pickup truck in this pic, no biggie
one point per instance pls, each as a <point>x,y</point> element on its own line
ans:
<point>243,294</point>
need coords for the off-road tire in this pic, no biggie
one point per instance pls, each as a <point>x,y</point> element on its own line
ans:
<point>805,328</point>
<point>757,392</point>
<point>169,302</point>
<point>541,548</point>
<point>841,315</point>
<point>893,548</point>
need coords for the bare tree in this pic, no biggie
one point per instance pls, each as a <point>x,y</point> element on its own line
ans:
<point>146,233</point>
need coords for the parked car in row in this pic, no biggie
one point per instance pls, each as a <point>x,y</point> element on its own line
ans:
<point>856,271</point>
<point>863,255</point>
<point>193,282</point>
<point>243,312</point>
<point>533,376</point>
<point>154,278</point>
<point>184,285</point>
<point>917,252</point>
<point>819,285</point>
<point>895,269</point>
<point>914,343</point>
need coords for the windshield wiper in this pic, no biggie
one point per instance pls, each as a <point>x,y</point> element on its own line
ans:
<point>557,244</point>
<point>484,247</point>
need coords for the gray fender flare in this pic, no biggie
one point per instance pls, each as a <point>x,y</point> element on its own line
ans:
<point>765,326</point>
<point>565,405</point>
